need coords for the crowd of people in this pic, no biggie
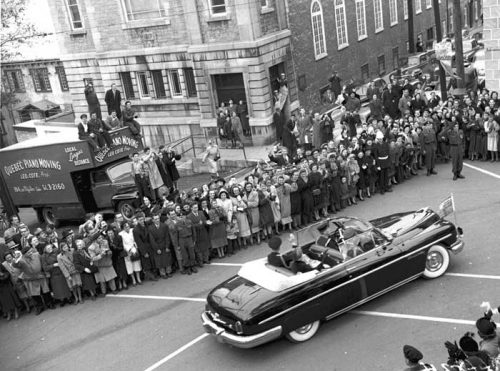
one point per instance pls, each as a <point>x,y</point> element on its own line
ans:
<point>468,354</point>
<point>232,123</point>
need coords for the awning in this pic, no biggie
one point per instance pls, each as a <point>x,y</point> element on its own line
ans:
<point>41,105</point>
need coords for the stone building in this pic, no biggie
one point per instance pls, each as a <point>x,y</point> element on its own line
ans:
<point>177,61</point>
<point>491,34</point>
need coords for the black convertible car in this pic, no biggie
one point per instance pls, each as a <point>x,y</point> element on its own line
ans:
<point>358,262</point>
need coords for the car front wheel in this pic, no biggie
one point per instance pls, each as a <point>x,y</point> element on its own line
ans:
<point>303,333</point>
<point>437,262</point>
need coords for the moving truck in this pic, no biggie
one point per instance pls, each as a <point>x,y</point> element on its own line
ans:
<point>63,179</point>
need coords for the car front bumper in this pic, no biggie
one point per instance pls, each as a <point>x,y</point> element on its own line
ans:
<point>239,341</point>
<point>457,246</point>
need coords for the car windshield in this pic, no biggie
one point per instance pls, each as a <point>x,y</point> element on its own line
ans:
<point>121,172</point>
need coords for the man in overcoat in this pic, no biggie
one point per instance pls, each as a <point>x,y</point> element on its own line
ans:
<point>159,237</point>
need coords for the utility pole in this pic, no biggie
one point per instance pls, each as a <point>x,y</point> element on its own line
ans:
<point>439,38</point>
<point>411,38</point>
<point>459,50</point>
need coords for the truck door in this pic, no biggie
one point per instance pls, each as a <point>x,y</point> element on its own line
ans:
<point>102,188</point>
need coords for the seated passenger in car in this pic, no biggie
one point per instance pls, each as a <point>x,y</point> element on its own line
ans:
<point>275,258</point>
<point>302,263</point>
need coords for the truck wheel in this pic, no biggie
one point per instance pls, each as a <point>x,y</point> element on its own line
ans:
<point>49,217</point>
<point>126,208</point>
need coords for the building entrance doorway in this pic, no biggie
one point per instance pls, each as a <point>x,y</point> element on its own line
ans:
<point>231,87</point>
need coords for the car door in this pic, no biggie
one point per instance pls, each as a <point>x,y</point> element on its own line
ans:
<point>379,268</point>
<point>102,188</point>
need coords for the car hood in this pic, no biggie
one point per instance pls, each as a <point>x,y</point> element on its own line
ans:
<point>396,225</point>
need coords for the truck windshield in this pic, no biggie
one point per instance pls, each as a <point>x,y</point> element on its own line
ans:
<point>121,172</point>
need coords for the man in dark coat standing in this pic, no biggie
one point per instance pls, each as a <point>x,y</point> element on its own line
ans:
<point>113,100</point>
<point>278,124</point>
<point>390,100</point>
<point>289,139</point>
<point>141,238</point>
<point>92,100</point>
<point>159,237</point>
<point>383,163</point>
<point>428,144</point>
<point>335,84</point>
<point>169,158</point>
<point>202,241</point>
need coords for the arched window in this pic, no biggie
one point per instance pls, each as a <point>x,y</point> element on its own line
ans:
<point>318,29</point>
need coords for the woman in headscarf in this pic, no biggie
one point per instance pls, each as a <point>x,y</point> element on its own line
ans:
<point>239,208</point>
<point>50,265</point>
<point>251,197</point>
<point>85,266</point>
<point>100,254</point>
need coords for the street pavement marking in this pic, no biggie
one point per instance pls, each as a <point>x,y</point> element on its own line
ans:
<point>156,297</point>
<point>482,170</point>
<point>466,275</point>
<point>177,352</point>
<point>228,264</point>
<point>415,317</point>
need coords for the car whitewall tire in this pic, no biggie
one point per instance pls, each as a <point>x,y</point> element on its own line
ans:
<point>437,262</point>
<point>303,333</point>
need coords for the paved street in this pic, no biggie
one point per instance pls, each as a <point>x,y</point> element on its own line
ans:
<point>157,326</point>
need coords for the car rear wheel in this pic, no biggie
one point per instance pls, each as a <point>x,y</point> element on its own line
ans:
<point>303,333</point>
<point>437,261</point>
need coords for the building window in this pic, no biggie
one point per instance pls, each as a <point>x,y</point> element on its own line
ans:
<point>318,30</point>
<point>128,87</point>
<point>365,72</point>
<point>405,9</point>
<point>74,14</point>
<point>190,83</point>
<point>393,12</point>
<point>341,24</point>
<point>142,81</point>
<point>217,7</point>
<point>144,9</point>
<point>395,57</point>
<point>41,79</point>
<point>15,81</point>
<point>430,33</point>
<point>465,21</point>
<point>428,4</point>
<point>478,8</point>
<point>379,18</point>
<point>158,84</point>
<point>450,20</point>
<point>381,64</point>
<point>63,81</point>
<point>361,19</point>
<point>418,6</point>
<point>444,31</point>
<point>175,83</point>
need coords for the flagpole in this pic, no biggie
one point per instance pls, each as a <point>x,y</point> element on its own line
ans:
<point>454,211</point>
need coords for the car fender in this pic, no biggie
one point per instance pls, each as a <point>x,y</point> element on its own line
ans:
<point>303,316</point>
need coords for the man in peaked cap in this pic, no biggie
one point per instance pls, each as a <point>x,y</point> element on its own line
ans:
<point>413,357</point>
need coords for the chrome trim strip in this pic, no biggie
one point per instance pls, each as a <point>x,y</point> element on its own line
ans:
<point>354,279</point>
<point>367,299</point>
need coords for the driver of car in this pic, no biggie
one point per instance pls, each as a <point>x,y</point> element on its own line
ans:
<point>350,245</point>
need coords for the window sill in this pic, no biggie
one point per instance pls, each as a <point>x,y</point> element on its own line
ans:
<point>394,24</point>
<point>417,13</point>
<point>320,56</point>
<point>429,7</point>
<point>343,46</point>
<point>78,32</point>
<point>364,37</point>
<point>219,18</point>
<point>266,10</point>
<point>378,30</point>
<point>145,23</point>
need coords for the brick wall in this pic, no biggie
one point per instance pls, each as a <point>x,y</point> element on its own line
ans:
<point>269,19</point>
<point>348,61</point>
